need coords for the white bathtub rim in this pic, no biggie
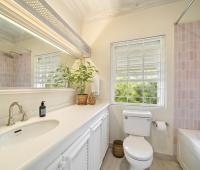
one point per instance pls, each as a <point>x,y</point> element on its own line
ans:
<point>193,137</point>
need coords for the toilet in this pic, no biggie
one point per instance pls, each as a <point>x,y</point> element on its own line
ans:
<point>138,151</point>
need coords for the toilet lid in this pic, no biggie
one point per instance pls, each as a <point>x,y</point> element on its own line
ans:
<point>138,148</point>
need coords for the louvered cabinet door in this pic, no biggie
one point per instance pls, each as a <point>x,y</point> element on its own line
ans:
<point>56,165</point>
<point>95,146</point>
<point>76,157</point>
<point>105,136</point>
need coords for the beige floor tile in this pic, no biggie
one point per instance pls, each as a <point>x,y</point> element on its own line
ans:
<point>112,163</point>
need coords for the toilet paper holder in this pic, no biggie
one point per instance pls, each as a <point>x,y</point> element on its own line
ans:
<point>155,123</point>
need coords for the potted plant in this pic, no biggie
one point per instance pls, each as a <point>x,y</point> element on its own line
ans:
<point>83,75</point>
<point>63,77</point>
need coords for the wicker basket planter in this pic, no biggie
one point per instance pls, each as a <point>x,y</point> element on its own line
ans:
<point>117,149</point>
<point>82,99</point>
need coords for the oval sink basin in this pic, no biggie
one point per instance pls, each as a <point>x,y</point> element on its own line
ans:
<point>27,132</point>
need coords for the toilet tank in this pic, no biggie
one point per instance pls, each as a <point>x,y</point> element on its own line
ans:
<point>137,122</point>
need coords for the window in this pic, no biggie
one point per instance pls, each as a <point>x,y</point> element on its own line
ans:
<point>45,67</point>
<point>137,71</point>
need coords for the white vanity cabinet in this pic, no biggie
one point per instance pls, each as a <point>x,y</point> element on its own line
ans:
<point>98,142</point>
<point>95,146</point>
<point>104,135</point>
<point>88,151</point>
<point>76,157</point>
<point>56,165</point>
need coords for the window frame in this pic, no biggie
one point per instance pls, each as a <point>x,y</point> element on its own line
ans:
<point>36,57</point>
<point>162,85</point>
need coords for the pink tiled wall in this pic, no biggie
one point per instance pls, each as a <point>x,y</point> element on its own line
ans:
<point>15,70</point>
<point>23,70</point>
<point>6,71</point>
<point>187,75</point>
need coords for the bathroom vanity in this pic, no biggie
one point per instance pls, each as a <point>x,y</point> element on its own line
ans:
<point>71,138</point>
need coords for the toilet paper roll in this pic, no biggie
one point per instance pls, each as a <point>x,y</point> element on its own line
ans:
<point>161,125</point>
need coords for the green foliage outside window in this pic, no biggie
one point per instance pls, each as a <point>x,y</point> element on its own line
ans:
<point>136,92</point>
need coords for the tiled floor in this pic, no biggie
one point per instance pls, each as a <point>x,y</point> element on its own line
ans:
<point>112,163</point>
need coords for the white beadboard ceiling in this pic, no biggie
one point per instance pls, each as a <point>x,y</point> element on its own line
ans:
<point>96,9</point>
<point>12,33</point>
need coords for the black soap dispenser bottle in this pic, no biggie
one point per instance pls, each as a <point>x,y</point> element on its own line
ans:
<point>42,109</point>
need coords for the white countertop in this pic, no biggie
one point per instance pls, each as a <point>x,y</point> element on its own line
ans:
<point>25,155</point>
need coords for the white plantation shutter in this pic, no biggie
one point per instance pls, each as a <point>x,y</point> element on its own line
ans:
<point>45,67</point>
<point>137,71</point>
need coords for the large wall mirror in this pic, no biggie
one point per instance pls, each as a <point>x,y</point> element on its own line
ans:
<point>27,61</point>
<point>36,46</point>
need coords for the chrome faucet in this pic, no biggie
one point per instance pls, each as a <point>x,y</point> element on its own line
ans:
<point>11,120</point>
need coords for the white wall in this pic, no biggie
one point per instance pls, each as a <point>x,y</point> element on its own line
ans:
<point>31,101</point>
<point>6,45</point>
<point>140,24</point>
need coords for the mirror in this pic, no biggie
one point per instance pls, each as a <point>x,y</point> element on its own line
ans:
<point>27,61</point>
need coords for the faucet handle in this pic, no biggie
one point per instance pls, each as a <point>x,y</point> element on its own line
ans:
<point>20,108</point>
<point>24,116</point>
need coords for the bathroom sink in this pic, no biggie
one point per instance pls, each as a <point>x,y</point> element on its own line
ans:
<point>27,132</point>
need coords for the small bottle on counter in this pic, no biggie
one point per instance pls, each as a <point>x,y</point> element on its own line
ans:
<point>42,109</point>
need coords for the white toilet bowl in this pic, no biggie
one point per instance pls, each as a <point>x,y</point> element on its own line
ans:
<point>138,152</point>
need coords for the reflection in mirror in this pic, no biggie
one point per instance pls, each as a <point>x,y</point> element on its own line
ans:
<point>29,62</point>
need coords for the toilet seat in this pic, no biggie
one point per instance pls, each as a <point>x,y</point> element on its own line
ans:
<point>138,148</point>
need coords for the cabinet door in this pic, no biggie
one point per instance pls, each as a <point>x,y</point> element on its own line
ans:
<point>95,146</point>
<point>56,165</point>
<point>105,136</point>
<point>76,157</point>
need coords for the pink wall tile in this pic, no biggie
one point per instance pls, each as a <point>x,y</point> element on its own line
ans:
<point>15,71</point>
<point>187,76</point>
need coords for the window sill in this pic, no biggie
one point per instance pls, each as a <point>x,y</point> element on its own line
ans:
<point>139,105</point>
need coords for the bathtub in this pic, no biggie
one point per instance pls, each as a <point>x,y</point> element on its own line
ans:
<point>188,149</point>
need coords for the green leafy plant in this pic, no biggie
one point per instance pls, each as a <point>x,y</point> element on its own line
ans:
<point>134,92</point>
<point>83,75</point>
<point>63,77</point>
